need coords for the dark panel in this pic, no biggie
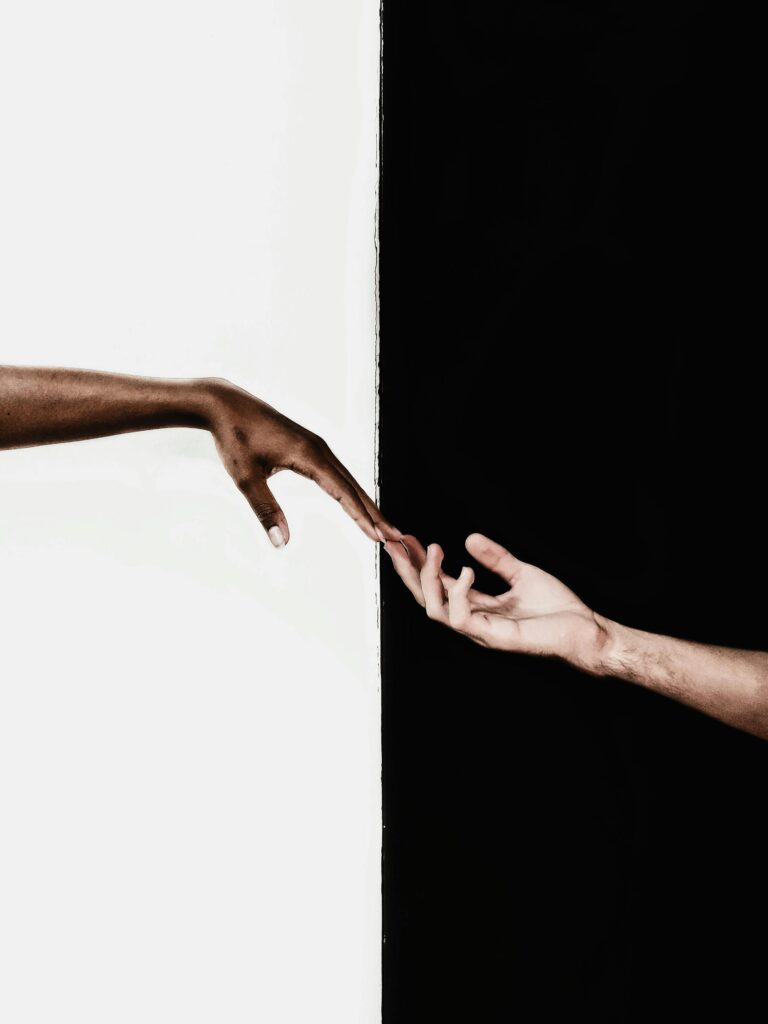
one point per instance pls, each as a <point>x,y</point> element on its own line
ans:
<point>570,353</point>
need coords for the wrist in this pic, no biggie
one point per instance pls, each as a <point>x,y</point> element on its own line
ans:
<point>604,654</point>
<point>204,398</point>
<point>597,647</point>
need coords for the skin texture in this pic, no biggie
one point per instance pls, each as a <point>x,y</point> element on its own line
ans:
<point>539,615</point>
<point>254,440</point>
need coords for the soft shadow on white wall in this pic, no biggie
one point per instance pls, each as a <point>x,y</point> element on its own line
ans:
<point>189,723</point>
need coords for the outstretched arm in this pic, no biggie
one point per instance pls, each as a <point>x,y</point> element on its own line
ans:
<point>254,440</point>
<point>539,615</point>
<point>724,682</point>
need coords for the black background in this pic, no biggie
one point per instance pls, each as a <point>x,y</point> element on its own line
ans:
<point>571,341</point>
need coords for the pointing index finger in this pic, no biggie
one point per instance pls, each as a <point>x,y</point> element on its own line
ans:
<point>318,468</point>
<point>384,529</point>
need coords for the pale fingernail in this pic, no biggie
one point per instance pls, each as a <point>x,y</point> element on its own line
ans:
<point>275,534</point>
<point>380,534</point>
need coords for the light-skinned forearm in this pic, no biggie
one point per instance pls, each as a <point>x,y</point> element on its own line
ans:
<point>726,683</point>
<point>42,406</point>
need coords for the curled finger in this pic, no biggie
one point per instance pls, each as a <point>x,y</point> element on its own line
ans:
<point>432,585</point>
<point>459,608</point>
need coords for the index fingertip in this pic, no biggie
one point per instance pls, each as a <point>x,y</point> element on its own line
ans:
<point>385,531</point>
<point>370,531</point>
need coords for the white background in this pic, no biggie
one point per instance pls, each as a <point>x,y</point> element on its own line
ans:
<point>189,720</point>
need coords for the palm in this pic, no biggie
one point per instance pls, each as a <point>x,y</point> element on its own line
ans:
<point>537,614</point>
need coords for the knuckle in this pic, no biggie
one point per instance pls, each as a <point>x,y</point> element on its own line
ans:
<point>263,510</point>
<point>243,481</point>
<point>457,618</point>
<point>308,447</point>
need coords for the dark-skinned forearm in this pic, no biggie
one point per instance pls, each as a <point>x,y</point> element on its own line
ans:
<point>44,406</point>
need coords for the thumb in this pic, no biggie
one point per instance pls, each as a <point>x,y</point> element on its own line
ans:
<point>494,557</point>
<point>267,510</point>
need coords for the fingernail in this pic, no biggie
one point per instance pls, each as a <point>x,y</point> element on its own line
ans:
<point>380,534</point>
<point>275,534</point>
